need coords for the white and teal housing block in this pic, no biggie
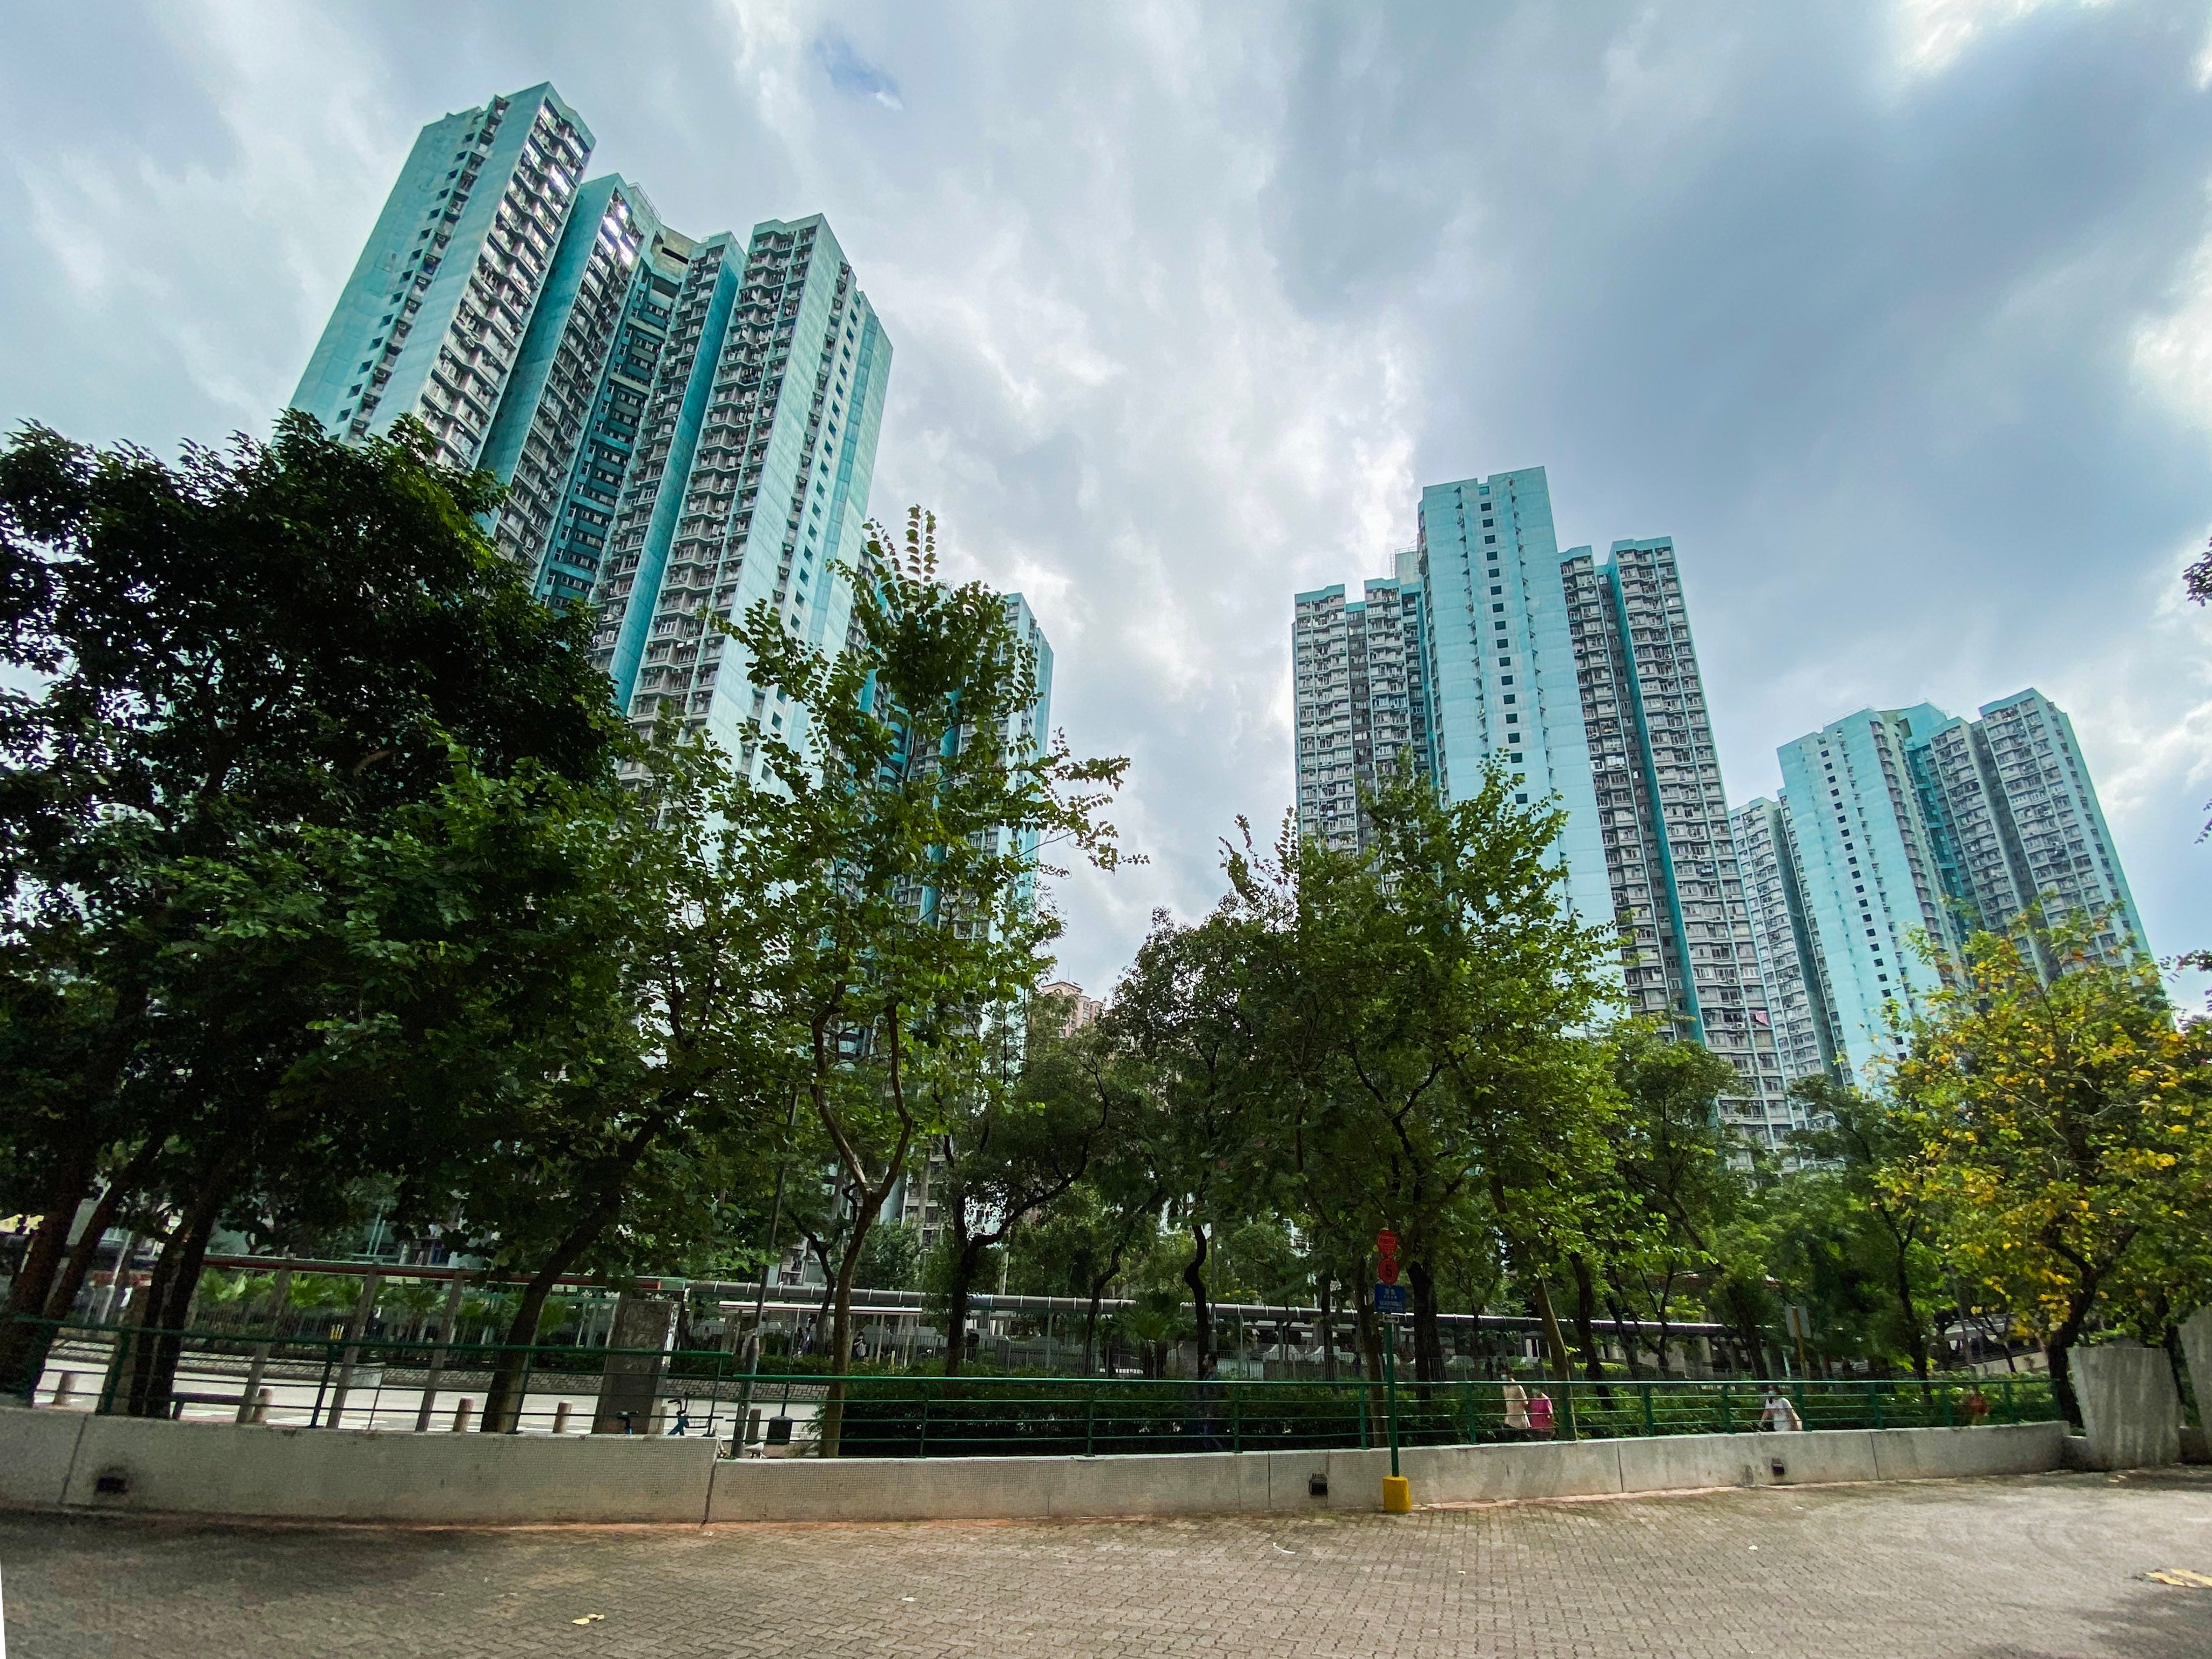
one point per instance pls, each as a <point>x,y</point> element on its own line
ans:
<point>750,484</point>
<point>1361,668</point>
<point>1900,832</point>
<point>685,425</point>
<point>1575,672</point>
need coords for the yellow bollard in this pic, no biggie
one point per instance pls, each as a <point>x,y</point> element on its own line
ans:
<point>1397,1495</point>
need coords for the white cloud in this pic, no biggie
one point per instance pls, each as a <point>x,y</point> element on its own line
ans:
<point>1932,34</point>
<point>2172,352</point>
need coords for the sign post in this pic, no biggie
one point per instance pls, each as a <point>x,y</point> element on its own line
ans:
<point>1390,1302</point>
<point>1797,1320</point>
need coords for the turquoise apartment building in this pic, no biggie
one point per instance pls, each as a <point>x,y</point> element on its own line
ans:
<point>685,426</point>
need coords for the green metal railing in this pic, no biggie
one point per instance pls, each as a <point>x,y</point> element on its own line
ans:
<point>396,1384</point>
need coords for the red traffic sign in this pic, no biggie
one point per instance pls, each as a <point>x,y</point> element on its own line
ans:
<point>1385,1270</point>
<point>1386,1245</point>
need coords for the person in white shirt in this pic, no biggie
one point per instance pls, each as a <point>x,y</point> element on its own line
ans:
<point>1779,1417</point>
<point>1517,1410</point>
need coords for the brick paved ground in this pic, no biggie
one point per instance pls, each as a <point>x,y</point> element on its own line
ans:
<point>2040,1566</point>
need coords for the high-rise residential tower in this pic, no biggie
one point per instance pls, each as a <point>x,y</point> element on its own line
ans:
<point>565,429</point>
<point>685,425</point>
<point>1868,873</point>
<point>432,322</point>
<point>1909,825</point>
<point>1670,855</point>
<point>2017,820</point>
<point>749,481</point>
<point>1789,960</point>
<point>1577,674</point>
<point>1359,674</point>
<point>1502,673</point>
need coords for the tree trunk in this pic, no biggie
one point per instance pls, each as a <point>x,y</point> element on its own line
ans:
<point>1554,1339</point>
<point>1586,1324</point>
<point>1194,1274</point>
<point>63,1297</point>
<point>1091,1327</point>
<point>867,1199</point>
<point>505,1390</point>
<point>503,1398</point>
<point>2059,1353</point>
<point>965,1257</point>
<point>1629,1329</point>
<point>840,1331</point>
<point>1912,1312</point>
<point>168,1302</point>
<point>1428,1334</point>
<point>64,1195</point>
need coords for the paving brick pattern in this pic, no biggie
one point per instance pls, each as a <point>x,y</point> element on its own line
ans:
<point>2022,1568</point>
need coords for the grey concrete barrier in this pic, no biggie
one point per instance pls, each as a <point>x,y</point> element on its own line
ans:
<point>1004,1488</point>
<point>2196,1353</point>
<point>50,1460</point>
<point>356,1474</point>
<point>36,1451</point>
<point>2131,1410</point>
<point>1948,1453</point>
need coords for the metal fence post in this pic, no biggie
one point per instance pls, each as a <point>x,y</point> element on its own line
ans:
<point>715,1400</point>
<point>1874,1395</point>
<point>2012,1406</point>
<point>1390,1384</point>
<point>1650,1422</point>
<point>1236,1420</point>
<point>280,1296</point>
<point>357,1326</point>
<point>922,1450</point>
<point>438,1356</point>
<point>1728,1411</point>
<point>1090,1416</point>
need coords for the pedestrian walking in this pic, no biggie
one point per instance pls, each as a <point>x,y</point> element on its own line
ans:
<point>1540,1415</point>
<point>1516,1411</point>
<point>1780,1416</point>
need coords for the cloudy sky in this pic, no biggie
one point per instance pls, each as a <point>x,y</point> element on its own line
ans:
<point>1897,315</point>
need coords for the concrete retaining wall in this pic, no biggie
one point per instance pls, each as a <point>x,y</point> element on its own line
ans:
<point>348,1474</point>
<point>36,1451</point>
<point>980,1488</point>
<point>50,1460</point>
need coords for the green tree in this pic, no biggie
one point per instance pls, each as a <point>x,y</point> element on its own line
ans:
<point>2065,1125</point>
<point>245,647</point>
<point>1480,973</point>
<point>1186,1018</point>
<point>899,838</point>
<point>1007,1152</point>
<point>636,1107</point>
<point>1878,1158</point>
<point>1672,1157</point>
